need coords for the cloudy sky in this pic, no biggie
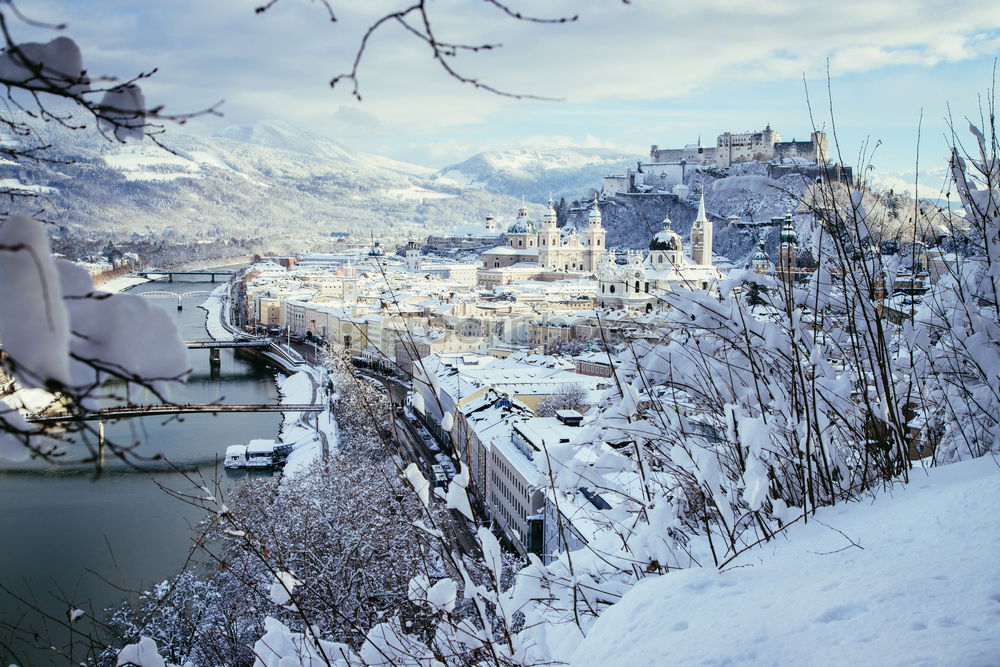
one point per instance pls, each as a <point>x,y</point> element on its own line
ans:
<point>626,75</point>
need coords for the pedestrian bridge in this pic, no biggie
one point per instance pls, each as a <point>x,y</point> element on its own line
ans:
<point>217,344</point>
<point>122,411</point>
<point>178,297</point>
<point>169,275</point>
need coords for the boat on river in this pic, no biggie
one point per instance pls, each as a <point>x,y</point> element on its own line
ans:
<point>257,454</point>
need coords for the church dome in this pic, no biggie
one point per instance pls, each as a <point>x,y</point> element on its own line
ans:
<point>519,226</point>
<point>667,238</point>
<point>376,250</point>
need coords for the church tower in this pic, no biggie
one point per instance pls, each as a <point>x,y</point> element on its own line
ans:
<point>349,284</point>
<point>594,237</point>
<point>490,224</point>
<point>787,248</point>
<point>701,236</point>
<point>412,255</point>
<point>549,239</point>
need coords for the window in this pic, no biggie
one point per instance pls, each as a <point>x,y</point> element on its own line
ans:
<point>612,289</point>
<point>637,287</point>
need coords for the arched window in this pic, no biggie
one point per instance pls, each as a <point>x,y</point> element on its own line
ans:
<point>612,289</point>
<point>647,288</point>
<point>637,287</point>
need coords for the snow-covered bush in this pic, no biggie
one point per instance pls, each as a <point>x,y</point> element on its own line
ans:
<point>956,333</point>
<point>61,335</point>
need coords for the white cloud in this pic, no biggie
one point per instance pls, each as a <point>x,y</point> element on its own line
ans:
<point>280,64</point>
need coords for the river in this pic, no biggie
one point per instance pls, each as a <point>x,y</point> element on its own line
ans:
<point>59,524</point>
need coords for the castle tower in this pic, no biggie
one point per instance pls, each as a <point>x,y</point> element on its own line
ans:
<point>549,239</point>
<point>521,233</point>
<point>821,147</point>
<point>701,236</point>
<point>412,255</point>
<point>666,250</point>
<point>788,245</point>
<point>594,239</point>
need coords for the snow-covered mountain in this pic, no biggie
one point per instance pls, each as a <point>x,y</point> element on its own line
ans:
<point>535,173</point>
<point>267,179</point>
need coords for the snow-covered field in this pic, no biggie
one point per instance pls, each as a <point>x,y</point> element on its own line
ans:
<point>909,579</point>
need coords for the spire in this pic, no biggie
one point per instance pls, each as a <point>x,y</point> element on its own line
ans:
<point>701,217</point>
<point>666,222</point>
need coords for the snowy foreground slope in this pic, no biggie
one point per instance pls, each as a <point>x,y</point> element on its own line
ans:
<point>921,588</point>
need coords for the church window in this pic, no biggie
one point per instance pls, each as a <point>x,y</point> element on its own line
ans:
<point>637,287</point>
<point>496,264</point>
<point>647,288</point>
<point>612,289</point>
<point>520,242</point>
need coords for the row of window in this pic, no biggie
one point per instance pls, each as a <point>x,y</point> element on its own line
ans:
<point>611,288</point>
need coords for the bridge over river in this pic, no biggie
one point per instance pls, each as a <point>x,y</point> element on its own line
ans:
<point>122,411</point>
<point>169,275</point>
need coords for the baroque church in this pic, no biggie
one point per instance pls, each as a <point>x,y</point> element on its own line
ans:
<point>635,284</point>
<point>531,251</point>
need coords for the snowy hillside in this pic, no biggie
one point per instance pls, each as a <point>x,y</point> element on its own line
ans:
<point>267,180</point>
<point>910,579</point>
<point>535,173</point>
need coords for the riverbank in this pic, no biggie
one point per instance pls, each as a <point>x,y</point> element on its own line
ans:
<point>121,283</point>
<point>311,435</point>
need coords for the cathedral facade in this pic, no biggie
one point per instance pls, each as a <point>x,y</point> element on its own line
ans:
<point>545,249</point>
<point>636,284</point>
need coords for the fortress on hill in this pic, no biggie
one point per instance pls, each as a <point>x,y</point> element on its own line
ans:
<point>669,167</point>
<point>764,146</point>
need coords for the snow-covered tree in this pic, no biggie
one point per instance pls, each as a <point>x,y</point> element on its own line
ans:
<point>567,397</point>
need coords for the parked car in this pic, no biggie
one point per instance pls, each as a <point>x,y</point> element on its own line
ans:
<point>440,479</point>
